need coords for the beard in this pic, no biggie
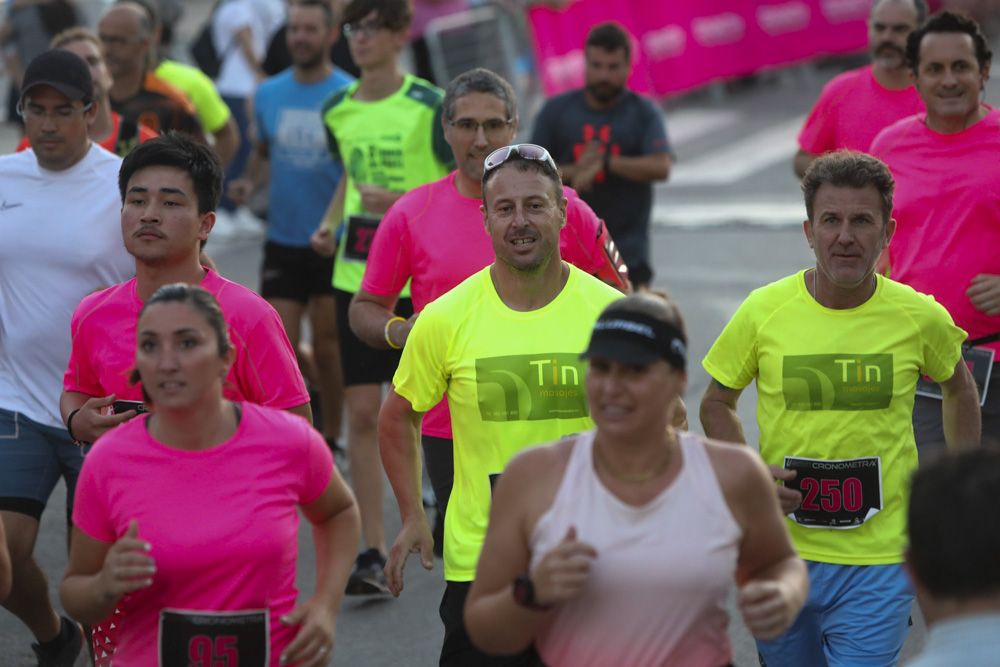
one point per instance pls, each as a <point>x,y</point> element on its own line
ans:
<point>604,92</point>
<point>889,52</point>
<point>306,59</point>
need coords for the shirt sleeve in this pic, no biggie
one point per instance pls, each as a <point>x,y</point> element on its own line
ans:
<point>268,372</point>
<point>388,266</point>
<point>942,342</point>
<point>90,509</point>
<point>422,377</point>
<point>817,135</point>
<point>80,374</point>
<point>212,111</point>
<point>654,140</point>
<point>542,133</point>
<point>317,468</point>
<point>732,360</point>
<point>579,241</point>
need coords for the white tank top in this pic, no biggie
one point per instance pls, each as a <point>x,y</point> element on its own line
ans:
<point>657,589</point>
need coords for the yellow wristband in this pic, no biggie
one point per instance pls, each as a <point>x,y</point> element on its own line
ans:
<point>388,324</point>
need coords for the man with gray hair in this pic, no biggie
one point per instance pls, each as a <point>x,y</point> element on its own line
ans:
<point>836,352</point>
<point>433,237</point>
<point>856,105</point>
<point>126,31</point>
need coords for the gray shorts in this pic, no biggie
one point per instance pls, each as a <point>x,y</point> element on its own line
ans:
<point>928,428</point>
<point>32,459</point>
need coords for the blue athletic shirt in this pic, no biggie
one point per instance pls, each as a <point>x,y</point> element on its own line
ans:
<point>303,175</point>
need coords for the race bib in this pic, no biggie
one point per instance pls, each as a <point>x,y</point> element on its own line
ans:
<point>980,363</point>
<point>360,233</point>
<point>840,494</point>
<point>214,638</point>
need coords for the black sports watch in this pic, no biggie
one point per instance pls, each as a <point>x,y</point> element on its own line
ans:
<point>524,594</point>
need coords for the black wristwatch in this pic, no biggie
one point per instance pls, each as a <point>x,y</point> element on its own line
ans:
<point>524,594</point>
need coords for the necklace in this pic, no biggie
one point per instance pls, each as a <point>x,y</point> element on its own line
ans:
<point>654,472</point>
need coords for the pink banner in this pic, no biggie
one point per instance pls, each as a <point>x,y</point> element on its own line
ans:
<point>682,44</point>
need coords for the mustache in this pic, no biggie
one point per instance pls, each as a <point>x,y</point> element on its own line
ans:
<point>886,46</point>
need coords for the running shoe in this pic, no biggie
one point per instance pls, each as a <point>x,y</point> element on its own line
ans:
<point>368,577</point>
<point>64,651</point>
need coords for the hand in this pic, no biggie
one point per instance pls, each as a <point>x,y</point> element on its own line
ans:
<point>127,565</point>
<point>592,156</point>
<point>89,424</point>
<point>767,608</point>
<point>239,190</point>
<point>323,242</point>
<point>313,643</point>
<point>790,499</point>
<point>414,537</point>
<point>984,292</point>
<point>583,178</point>
<point>376,199</point>
<point>562,573</point>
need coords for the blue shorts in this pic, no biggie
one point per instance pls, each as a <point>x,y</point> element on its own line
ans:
<point>855,615</point>
<point>32,459</point>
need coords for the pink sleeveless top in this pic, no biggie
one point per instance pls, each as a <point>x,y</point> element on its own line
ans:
<point>658,587</point>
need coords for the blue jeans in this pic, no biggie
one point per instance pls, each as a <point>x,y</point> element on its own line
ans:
<point>238,108</point>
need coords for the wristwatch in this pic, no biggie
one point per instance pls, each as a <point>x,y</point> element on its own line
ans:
<point>524,594</point>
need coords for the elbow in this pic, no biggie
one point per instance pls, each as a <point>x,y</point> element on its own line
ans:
<point>486,635</point>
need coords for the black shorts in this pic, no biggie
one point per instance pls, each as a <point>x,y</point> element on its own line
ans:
<point>363,364</point>
<point>295,273</point>
<point>457,649</point>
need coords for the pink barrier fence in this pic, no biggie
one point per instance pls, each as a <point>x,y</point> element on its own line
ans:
<point>682,44</point>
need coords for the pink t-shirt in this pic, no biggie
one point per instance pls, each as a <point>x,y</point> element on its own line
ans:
<point>104,324</point>
<point>947,211</point>
<point>434,237</point>
<point>223,523</point>
<point>852,109</point>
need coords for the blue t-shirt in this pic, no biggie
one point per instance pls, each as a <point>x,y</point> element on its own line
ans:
<point>303,175</point>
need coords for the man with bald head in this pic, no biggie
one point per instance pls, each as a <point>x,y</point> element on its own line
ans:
<point>857,105</point>
<point>127,34</point>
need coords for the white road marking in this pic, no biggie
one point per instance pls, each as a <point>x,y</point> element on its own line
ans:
<point>776,213</point>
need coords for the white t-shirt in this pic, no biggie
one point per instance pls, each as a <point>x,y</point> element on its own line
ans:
<point>263,17</point>
<point>60,240</point>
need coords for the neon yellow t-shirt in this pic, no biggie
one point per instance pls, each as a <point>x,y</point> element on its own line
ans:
<point>513,379</point>
<point>396,143</point>
<point>837,385</point>
<point>211,110</point>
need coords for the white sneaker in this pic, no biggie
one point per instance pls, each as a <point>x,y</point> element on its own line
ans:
<point>249,225</point>
<point>225,227</point>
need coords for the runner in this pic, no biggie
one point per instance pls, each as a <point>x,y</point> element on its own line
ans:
<point>169,189</point>
<point>222,587</point>
<point>836,352</point>
<point>386,129</point>
<point>949,226</point>
<point>136,92</point>
<point>856,105</point>
<point>611,145</point>
<point>620,546</point>
<point>504,345</point>
<point>433,239</point>
<point>108,130</point>
<point>290,146</point>
<point>58,243</point>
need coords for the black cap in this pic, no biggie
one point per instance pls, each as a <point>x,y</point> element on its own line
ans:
<point>636,338</point>
<point>62,70</point>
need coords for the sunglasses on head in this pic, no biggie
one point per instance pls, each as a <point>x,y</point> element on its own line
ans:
<point>526,151</point>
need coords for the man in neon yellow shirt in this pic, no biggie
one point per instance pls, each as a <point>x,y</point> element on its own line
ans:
<point>836,352</point>
<point>505,346</point>
<point>386,130</point>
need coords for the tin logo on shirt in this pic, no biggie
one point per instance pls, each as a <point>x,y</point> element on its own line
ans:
<point>837,381</point>
<point>529,387</point>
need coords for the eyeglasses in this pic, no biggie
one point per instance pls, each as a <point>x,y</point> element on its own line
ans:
<point>526,151</point>
<point>368,28</point>
<point>493,128</point>
<point>116,41</point>
<point>60,113</point>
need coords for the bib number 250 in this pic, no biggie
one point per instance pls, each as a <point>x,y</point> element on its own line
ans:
<point>836,494</point>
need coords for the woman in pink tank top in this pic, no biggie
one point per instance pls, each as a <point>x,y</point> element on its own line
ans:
<point>619,546</point>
